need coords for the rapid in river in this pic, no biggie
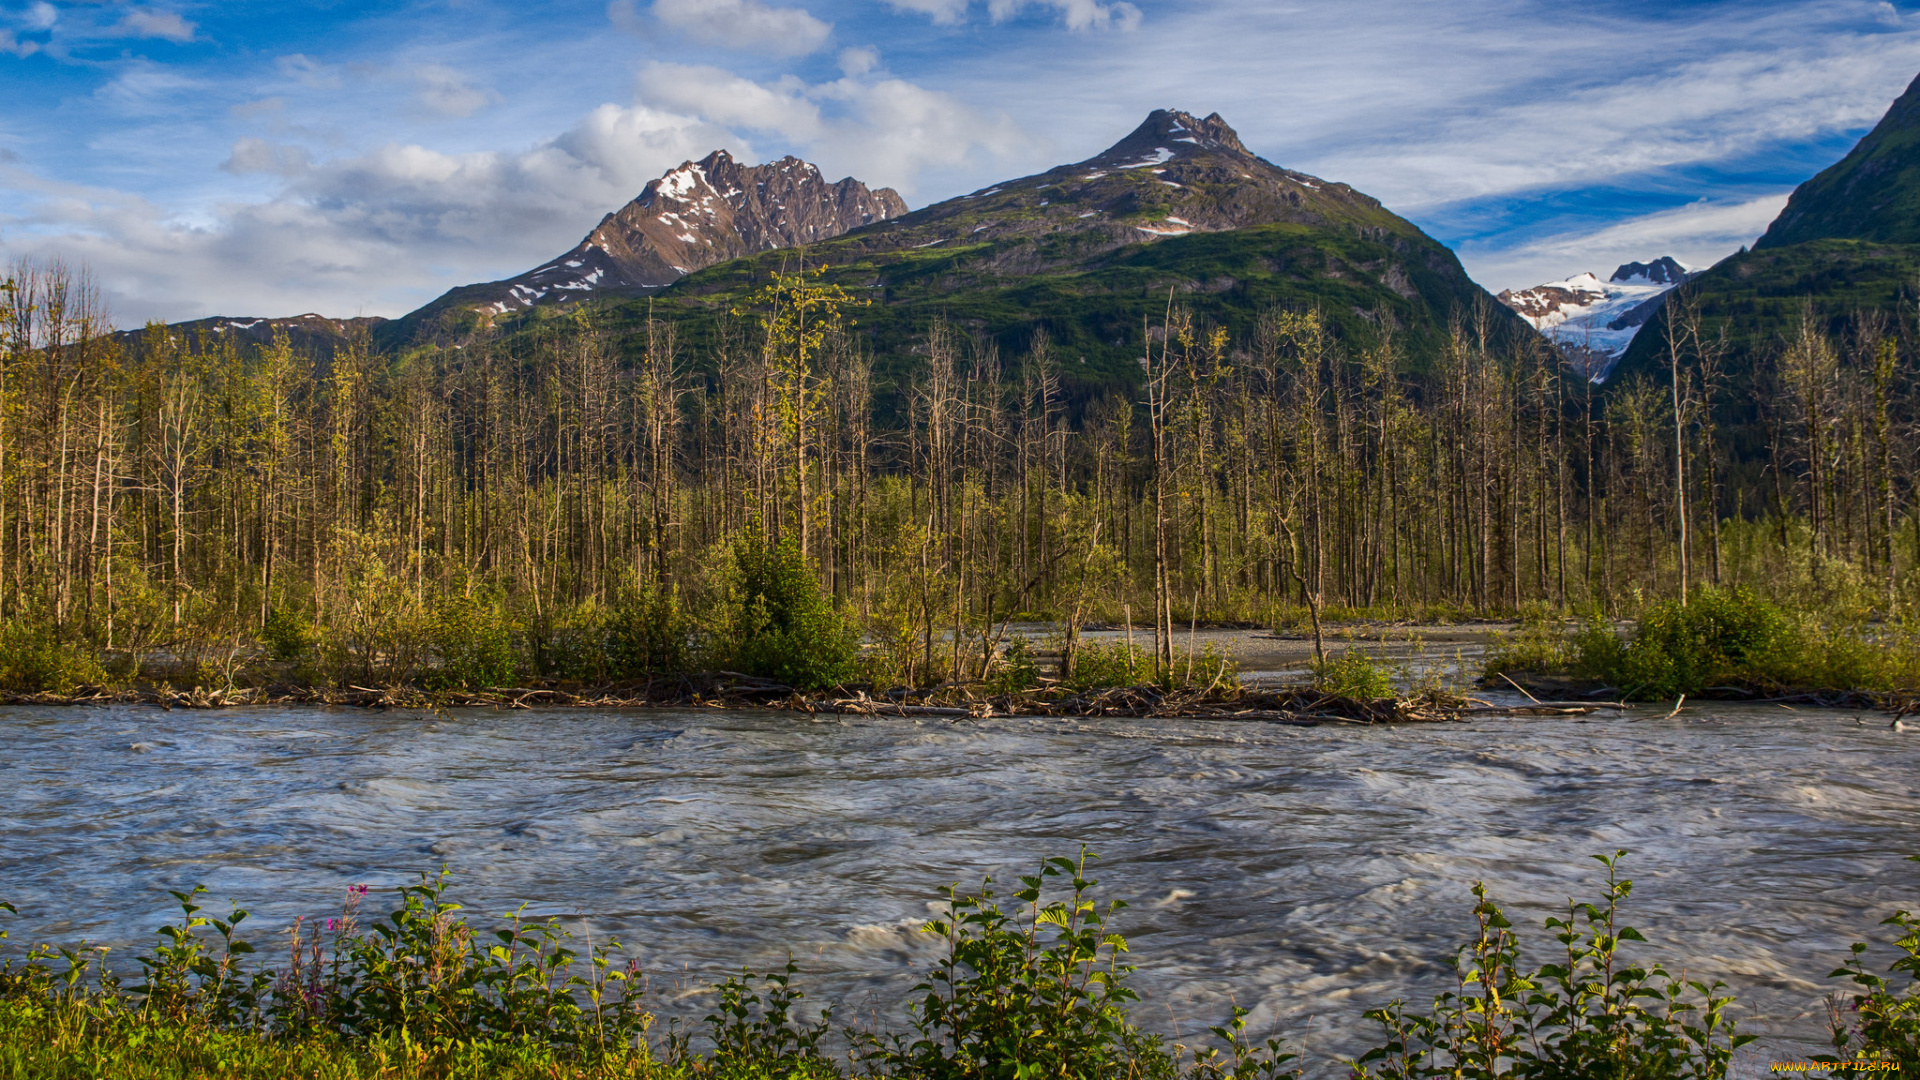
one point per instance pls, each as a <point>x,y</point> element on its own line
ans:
<point>1306,873</point>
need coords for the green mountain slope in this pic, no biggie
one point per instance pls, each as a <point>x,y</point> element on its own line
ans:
<point>1871,194</point>
<point>1086,251</point>
<point>1848,241</point>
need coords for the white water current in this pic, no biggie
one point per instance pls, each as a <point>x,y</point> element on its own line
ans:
<point>1306,873</point>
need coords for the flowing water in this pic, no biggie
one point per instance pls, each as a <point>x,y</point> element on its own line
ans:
<point>1306,873</point>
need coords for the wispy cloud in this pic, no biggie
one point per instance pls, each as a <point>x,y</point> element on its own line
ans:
<point>1075,14</point>
<point>884,130</point>
<point>450,92</point>
<point>148,23</point>
<point>369,233</point>
<point>734,24</point>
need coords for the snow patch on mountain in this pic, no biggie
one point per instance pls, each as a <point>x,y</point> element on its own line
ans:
<point>1584,312</point>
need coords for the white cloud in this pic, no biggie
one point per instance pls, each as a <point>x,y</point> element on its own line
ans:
<point>725,98</point>
<point>379,232</point>
<point>447,91</point>
<point>885,131</point>
<point>308,72</point>
<point>144,23</point>
<point>1077,14</point>
<point>1699,235</point>
<point>943,12</point>
<point>260,156</point>
<point>42,16</point>
<point>11,44</point>
<point>738,24</point>
<point>857,62</point>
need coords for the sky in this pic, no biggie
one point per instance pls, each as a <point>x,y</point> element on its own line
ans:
<point>269,158</point>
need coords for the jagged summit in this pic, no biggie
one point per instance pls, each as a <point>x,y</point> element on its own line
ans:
<point>697,214</point>
<point>1665,270</point>
<point>1169,133</point>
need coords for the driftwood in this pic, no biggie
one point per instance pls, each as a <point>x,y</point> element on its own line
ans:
<point>953,701</point>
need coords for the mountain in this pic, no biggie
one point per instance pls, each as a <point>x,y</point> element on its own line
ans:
<point>1871,194</point>
<point>1847,241</point>
<point>1599,316</point>
<point>1086,251</point>
<point>701,213</point>
<point>310,335</point>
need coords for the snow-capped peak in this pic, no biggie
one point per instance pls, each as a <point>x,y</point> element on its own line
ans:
<point>1600,316</point>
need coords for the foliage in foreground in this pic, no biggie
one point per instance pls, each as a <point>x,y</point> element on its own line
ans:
<point>1037,988</point>
<point>1721,639</point>
<point>1593,1016</point>
<point>1880,1022</point>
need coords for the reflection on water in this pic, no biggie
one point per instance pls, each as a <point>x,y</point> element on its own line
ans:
<point>1306,873</point>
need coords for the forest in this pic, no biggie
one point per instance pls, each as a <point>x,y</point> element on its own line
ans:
<point>566,504</point>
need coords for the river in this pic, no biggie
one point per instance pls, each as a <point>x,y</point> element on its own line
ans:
<point>1306,873</point>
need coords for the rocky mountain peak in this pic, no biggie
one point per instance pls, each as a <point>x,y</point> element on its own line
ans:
<point>1169,133</point>
<point>1665,270</point>
<point>696,214</point>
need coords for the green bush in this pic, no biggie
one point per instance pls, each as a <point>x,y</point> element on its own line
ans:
<point>1353,674</point>
<point>1015,671</point>
<point>1041,992</point>
<point>471,639</point>
<point>34,659</point>
<point>1097,666</point>
<point>646,633</point>
<point>288,635</point>
<point>776,623</point>
<point>1593,1016</point>
<point>1718,636</point>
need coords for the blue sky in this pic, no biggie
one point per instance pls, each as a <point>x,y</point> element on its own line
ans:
<point>356,158</point>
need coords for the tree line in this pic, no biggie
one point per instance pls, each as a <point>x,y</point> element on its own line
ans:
<point>162,493</point>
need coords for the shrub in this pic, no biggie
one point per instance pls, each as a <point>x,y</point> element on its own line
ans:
<point>34,659</point>
<point>471,639</point>
<point>646,633</point>
<point>1718,635</point>
<point>1592,1017</point>
<point>1353,674</point>
<point>1040,992</point>
<point>1097,666</point>
<point>1016,670</point>
<point>1538,645</point>
<point>775,622</point>
<point>288,635</point>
